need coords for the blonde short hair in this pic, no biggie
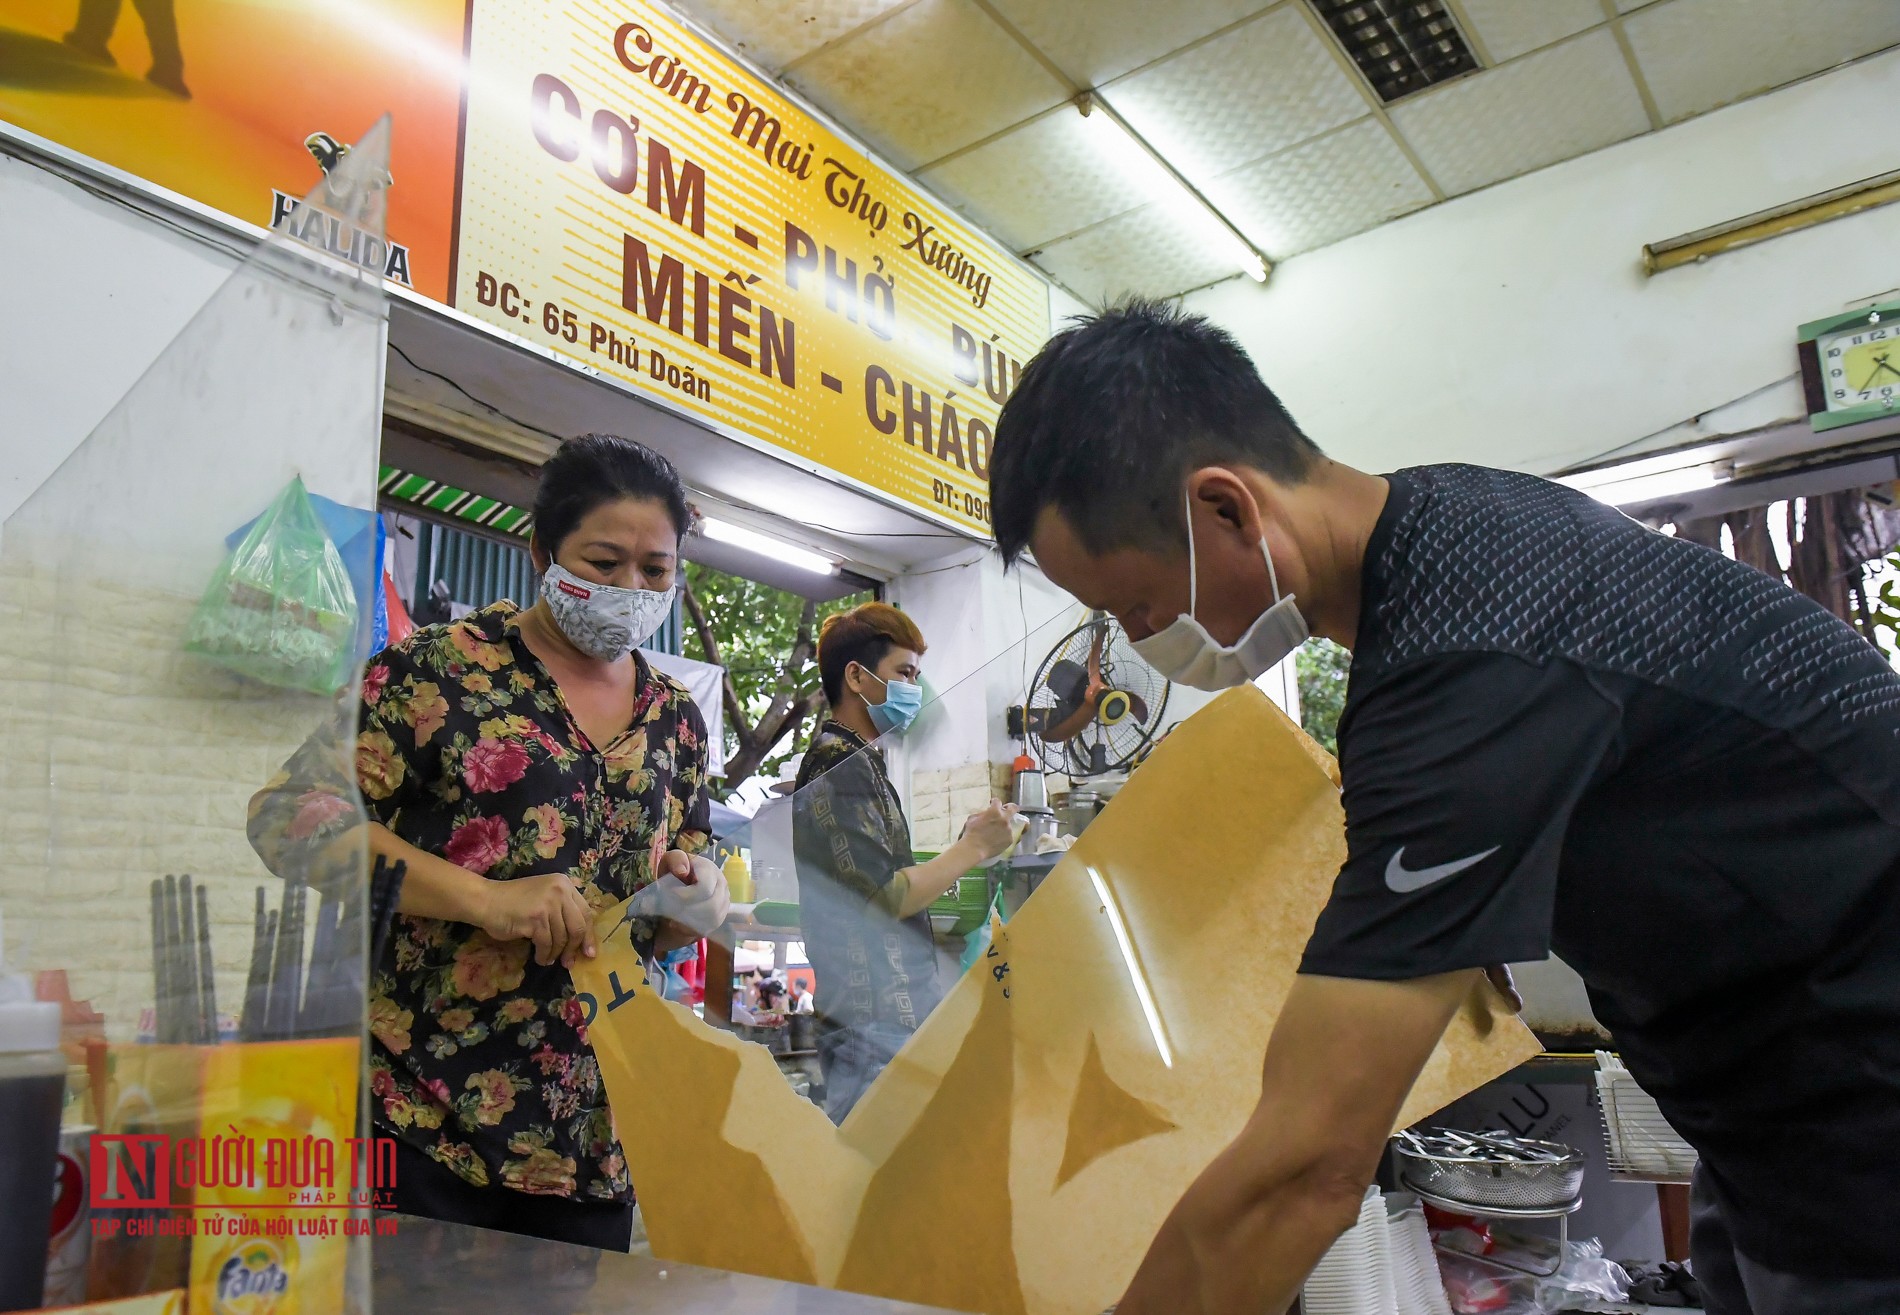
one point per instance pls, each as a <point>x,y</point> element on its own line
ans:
<point>863,635</point>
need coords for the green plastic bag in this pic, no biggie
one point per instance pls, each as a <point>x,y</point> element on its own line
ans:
<point>281,609</point>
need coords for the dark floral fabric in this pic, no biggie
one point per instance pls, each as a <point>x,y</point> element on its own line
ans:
<point>466,749</point>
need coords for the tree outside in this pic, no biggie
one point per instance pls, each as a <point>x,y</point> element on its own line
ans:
<point>1322,666</point>
<point>767,640</point>
<point>1880,586</point>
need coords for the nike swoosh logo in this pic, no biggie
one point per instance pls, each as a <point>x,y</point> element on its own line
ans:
<point>1403,881</point>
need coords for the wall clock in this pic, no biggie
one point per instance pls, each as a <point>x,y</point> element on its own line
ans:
<point>1850,366</point>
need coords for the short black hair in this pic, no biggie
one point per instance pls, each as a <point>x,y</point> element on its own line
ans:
<point>1114,412</point>
<point>586,471</point>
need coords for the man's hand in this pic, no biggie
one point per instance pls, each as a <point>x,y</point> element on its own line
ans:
<point>1341,1062</point>
<point>547,910</point>
<point>1499,975</point>
<point>991,832</point>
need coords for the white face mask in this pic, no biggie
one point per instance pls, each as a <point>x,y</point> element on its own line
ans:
<point>1185,652</point>
<point>603,621</point>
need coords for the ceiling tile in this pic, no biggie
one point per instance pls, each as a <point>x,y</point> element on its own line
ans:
<point>1698,54</point>
<point>1103,39</point>
<point>1509,28</point>
<point>1553,105</point>
<point>1039,181</point>
<point>1255,90</point>
<point>1321,191</point>
<point>1151,252</point>
<point>929,79</point>
<point>776,32</point>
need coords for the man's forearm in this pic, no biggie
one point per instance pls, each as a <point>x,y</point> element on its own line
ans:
<point>1342,1057</point>
<point>1245,1236</point>
<point>933,877</point>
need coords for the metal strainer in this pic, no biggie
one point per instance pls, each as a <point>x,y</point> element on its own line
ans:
<point>1490,1169</point>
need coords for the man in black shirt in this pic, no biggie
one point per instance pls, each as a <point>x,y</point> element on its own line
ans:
<point>1563,732</point>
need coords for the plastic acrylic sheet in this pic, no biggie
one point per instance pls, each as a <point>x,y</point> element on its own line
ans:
<point>1017,1149</point>
<point>129,874</point>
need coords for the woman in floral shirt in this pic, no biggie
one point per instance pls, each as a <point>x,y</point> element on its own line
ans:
<point>532,770</point>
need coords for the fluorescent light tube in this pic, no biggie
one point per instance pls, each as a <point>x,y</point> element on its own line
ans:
<point>1649,478</point>
<point>1154,176</point>
<point>766,546</point>
<point>1648,488</point>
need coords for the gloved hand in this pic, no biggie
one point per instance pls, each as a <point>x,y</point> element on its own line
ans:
<point>700,905</point>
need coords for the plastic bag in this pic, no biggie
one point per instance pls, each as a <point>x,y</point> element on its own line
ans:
<point>281,608</point>
<point>977,943</point>
<point>1585,1275</point>
<point>1475,1288</point>
<point>379,606</point>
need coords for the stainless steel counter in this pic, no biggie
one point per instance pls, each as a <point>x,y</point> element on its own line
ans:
<point>432,1268</point>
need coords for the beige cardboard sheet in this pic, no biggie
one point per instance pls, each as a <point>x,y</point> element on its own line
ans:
<point>1027,1143</point>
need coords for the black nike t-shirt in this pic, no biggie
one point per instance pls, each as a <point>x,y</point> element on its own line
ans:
<point>1567,732</point>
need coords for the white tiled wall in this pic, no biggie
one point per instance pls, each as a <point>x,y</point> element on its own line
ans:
<point>126,759</point>
<point>943,798</point>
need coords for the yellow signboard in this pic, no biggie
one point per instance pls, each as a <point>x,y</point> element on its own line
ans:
<point>616,189</point>
<point>634,199</point>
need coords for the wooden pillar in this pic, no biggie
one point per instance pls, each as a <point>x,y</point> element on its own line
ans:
<point>718,984</point>
<point>1673,1200</point>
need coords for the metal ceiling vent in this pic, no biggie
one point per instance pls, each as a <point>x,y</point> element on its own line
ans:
<point>1402,46</point>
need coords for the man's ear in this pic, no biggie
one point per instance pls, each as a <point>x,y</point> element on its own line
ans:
<point>1225,493</point>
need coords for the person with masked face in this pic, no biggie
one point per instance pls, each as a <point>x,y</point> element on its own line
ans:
<point>533,770</point>
<point>863,897</point>
<point>1564,732</point>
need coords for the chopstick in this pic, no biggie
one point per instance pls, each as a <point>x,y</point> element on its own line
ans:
<point>207,984</point>
<point>158,960</point>
<point>287,965</point>
<point>185,964</point>
<point>385,889</point>
<point>268,1004</point>
<point>284,996</point>
<point>257,984</point>
<point>176,988</point>
<point>321,996</point>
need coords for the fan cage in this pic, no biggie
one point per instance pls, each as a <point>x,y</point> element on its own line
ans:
<point>1131,739</point>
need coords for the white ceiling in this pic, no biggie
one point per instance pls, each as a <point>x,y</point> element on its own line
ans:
<point>1256,105</point>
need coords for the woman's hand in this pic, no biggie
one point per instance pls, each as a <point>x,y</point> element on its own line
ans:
<point>992,831</point>
<point>547,910</point>
<point>690,892</point>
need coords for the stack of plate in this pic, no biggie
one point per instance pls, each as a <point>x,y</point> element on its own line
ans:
<point>1355,1277</point>
<point>1640,1143</point>
<point>1415,1276</point>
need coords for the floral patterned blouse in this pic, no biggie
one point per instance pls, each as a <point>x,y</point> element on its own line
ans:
<point>466,749</point>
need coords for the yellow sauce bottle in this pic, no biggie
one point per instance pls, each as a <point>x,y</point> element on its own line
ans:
<point>738,879</point>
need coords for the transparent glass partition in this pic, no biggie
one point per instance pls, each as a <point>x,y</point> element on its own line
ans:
<point>187,604</point>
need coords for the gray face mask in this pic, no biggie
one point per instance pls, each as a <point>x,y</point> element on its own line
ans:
<point>1183,651</point>
<point>603,621</point>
